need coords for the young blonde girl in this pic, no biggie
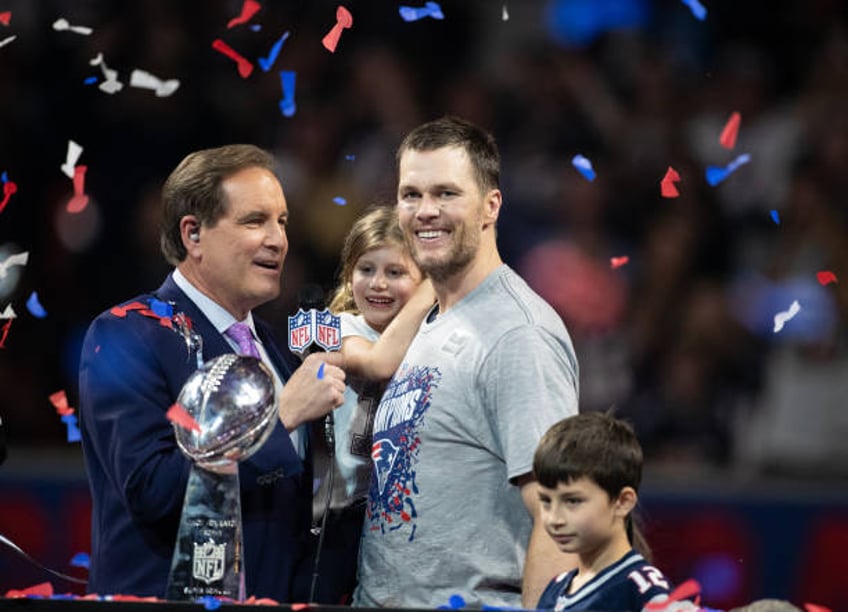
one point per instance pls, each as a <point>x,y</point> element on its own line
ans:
<point>381,298</point>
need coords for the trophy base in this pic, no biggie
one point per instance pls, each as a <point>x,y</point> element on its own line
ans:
<point>208,555</point>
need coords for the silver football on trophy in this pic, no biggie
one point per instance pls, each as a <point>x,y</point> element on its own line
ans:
<point>233,400</point>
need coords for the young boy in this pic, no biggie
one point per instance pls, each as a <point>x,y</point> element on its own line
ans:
<point>588,468</point>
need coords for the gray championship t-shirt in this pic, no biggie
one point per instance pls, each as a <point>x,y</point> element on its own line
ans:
<point>462,416</point>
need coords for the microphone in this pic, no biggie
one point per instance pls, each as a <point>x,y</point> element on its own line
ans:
<point>315,329</point>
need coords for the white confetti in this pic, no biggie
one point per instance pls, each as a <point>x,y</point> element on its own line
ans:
<point>504,14</point>
<point>71,158</point>
<point>145,80</point>
<point>18,259</point>
<point>8,313</point>
<point>781,318</point>
<point>7,40</point>
<point>111,84</point>
<point>61,24</point>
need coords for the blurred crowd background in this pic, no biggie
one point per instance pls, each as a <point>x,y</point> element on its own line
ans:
<point>679,340</point>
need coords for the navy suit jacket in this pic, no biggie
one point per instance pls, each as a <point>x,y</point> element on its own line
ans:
<point>131,371</point>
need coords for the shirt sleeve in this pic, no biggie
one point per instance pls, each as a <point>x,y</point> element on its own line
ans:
<point>528,382</point>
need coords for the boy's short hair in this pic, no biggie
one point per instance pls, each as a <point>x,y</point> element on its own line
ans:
<point>593,445</point>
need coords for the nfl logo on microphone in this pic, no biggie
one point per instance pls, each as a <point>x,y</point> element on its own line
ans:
<point>321,328</point>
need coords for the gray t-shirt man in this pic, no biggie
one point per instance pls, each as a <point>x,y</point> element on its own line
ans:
<point>460,419</point>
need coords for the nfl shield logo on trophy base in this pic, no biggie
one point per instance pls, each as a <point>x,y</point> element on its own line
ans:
<point>233,399</point>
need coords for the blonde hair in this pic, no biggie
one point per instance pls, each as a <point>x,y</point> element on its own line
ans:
<point>376,228</point>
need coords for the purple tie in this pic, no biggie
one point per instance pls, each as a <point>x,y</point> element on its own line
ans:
<point>240,332</point>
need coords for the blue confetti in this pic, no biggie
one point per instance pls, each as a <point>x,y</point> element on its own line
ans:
<point>266,62</point>
<point>161,309</point>
<point>775,217</point>
<point>716,174</point>
<point>81,559</point>
<point>321,371</point>
<point>339,200</point>
<point>287,105</point>
<point>35,308</point>
<point>350,157</point>
<point>90,80</point>
<point>430,9</point>
<point>584,166</point>
<point>73,431</point>
<point>698,9</point>
<point>4,177</point>
<point>256,27</point>
<point>209,602</point>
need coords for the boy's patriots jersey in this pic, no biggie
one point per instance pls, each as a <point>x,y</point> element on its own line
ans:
<point>627,584</point>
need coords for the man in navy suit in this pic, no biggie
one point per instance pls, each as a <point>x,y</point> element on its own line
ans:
<point>224,230</point>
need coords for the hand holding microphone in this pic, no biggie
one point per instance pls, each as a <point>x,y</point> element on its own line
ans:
<point>312,331</point>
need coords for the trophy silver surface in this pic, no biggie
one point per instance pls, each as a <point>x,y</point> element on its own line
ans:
<point>233,400</point>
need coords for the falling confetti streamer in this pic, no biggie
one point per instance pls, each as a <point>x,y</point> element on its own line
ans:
<point>825,277</point>
<point>730,131</point>
<point>71,159</point>
<point>145,80</point>
<point>287,104</point>
<point>18,259</point>
<point>81,559</point>
<point>248,10</point>
<point>775,217</point>
<point>781,318</point>
<point>34,306</point>
<point>245,68</point>
<point>62,25</point>
<point>716,174</point>
<point>344,20</point>
<point>178,415</point>
<point>698,9</point>
<point>584,166</point>
<point>667,187</point>
<point>267,62</point>
<point>430,9</point>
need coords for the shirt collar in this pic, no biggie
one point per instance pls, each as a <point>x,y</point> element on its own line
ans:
<point>220,318</point>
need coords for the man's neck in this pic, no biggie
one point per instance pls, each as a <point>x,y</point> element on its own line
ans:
<point>450,291</point>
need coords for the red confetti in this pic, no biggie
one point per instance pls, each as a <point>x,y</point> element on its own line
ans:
<point>5,332</point>
<point>730,131</point>
<point>60,402</point>
<point>121,311</point>
<point>667,187</point>
<point>80,200</point>
<point>816,608</point>
<point>5,17</point>
<point>686,590</point>
<point>44,589</point>
<point>177,414</point>
<point>8,189</point>
<point>248,10</point>
<point>825,277</point>
<point>617,262</point>
<point>245,68</point>
<point>343,20</point>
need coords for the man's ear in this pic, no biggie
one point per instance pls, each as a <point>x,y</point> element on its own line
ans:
<point>626,501</point>
<point>492,207</point>
<point>190,232</point>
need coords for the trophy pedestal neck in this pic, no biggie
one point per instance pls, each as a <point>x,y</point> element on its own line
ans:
<point>208,555</point>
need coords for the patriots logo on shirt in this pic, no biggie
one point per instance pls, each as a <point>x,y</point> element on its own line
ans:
<point>391,503</point>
